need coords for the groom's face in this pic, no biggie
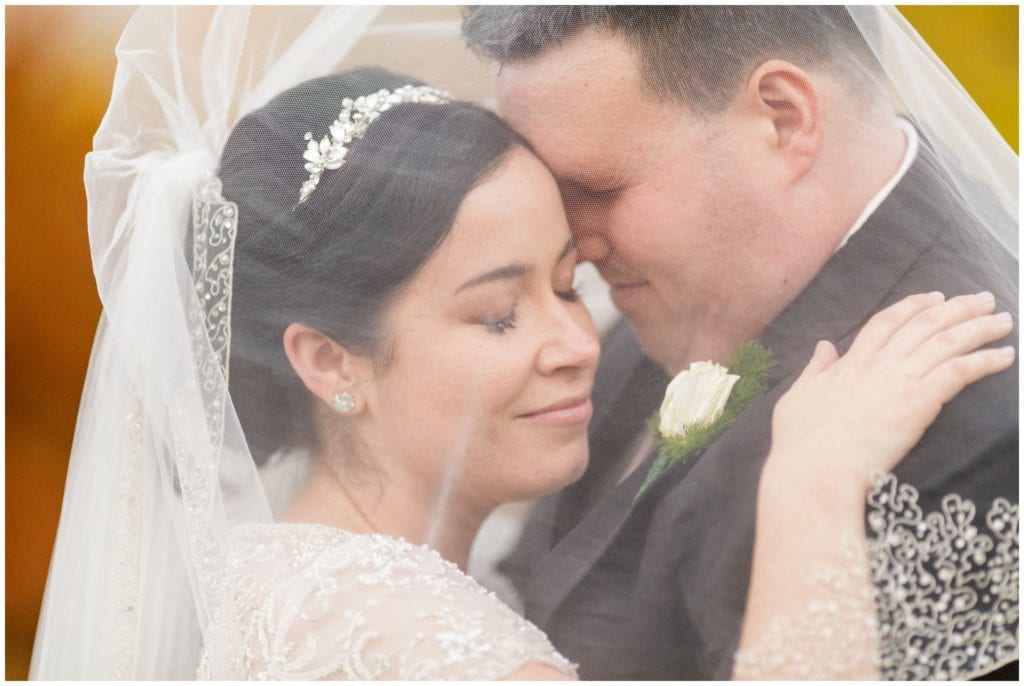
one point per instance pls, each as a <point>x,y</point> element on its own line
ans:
<point>673,208</point>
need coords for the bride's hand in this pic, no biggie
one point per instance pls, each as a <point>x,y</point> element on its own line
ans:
<point>846,418</point>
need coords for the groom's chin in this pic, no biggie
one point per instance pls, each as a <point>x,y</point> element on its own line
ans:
<point>675,347</point>
<point>661,343</point>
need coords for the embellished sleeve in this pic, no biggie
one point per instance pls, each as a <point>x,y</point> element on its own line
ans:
<point>931,596</point>
<point>947,584</point>
<point>379,608</point>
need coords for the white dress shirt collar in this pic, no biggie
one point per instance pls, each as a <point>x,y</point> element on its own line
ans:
<point>908,158</point>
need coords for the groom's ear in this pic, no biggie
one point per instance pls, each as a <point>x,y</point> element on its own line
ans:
<point>784,99</point>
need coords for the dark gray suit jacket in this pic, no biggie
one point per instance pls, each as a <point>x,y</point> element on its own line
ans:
<point>656,589</point>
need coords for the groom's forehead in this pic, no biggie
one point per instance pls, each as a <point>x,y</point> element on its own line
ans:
<point>575,120</point>
<point>582,152</point>
<point>591,66</point>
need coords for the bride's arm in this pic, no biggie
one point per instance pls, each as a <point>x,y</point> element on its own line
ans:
<point>810,608</point>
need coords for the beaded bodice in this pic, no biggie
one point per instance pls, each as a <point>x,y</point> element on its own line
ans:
<point>313,602</point>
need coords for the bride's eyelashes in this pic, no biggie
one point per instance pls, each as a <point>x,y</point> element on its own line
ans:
<point>498,317</point>
<point>501,325</point>
<point>504,324</point>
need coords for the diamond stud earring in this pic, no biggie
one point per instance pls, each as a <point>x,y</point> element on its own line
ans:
<point>344,402</point>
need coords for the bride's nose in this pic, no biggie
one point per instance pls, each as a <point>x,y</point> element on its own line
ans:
<point>571,343</point>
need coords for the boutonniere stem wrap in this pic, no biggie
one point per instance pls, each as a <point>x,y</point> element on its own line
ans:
<point>704,400</point>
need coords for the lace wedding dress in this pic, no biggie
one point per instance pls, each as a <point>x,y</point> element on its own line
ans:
<point>314,602</point>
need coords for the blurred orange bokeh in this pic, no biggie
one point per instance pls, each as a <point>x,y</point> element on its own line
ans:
<point>59,70</point>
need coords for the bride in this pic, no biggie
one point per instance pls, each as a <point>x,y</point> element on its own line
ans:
<point>331,350</point>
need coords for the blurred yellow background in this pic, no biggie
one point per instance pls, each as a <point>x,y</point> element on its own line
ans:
<point>59,70</point>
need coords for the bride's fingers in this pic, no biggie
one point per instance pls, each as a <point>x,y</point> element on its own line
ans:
<point>959,340</point>
<point>881,327</point>
<point>825,355</point>
<point>926,325</point>
<point>952,376</point>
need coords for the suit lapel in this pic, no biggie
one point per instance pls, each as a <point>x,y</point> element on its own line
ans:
<point>572,557</point>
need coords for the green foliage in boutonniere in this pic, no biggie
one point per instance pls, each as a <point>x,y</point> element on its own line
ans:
<point>703,401</point>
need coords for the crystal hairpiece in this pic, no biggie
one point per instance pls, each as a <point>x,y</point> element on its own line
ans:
<point>356,115</point>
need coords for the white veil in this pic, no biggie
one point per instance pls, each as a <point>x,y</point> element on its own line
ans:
<point>928,93</point>
<point>161,470</point>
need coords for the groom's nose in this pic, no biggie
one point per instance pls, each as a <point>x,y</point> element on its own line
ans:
<point>586,224</point>
<point>586,221</point>
<point>591,246</point>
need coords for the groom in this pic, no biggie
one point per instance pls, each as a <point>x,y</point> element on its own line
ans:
<point>732,178</point>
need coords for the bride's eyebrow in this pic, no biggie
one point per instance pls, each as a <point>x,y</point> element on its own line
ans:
<point>514,270</point>
<point>510,271</point>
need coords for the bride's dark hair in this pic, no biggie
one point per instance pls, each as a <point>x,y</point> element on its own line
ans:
<point>335,261</point>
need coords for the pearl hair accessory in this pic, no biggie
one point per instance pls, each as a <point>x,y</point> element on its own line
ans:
<point>352,122</point>
<point>344,402</point>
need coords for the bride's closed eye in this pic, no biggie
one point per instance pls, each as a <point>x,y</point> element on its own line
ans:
<point>502,325</point>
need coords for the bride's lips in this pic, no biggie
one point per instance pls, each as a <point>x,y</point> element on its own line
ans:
<point>568,412</point>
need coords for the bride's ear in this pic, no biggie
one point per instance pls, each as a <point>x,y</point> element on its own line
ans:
<point>326,367</point>
<point>783,98</point>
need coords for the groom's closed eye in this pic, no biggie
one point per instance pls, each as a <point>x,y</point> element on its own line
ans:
<point>573,192</point>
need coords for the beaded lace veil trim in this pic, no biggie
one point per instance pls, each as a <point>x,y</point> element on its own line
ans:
<point>129,540</point>
<point>942,602</point>
<point>214,227</point>
<point>948,601</point>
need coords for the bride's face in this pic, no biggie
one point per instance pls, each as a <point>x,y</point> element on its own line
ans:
<point>492,356</point>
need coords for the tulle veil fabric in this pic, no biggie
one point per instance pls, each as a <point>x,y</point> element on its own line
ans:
<point>161,471</point>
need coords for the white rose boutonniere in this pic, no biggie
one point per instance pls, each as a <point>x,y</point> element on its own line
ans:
<point>696,395</point>
<point>703,401</point>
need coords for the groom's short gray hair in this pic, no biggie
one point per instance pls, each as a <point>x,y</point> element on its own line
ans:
<point>695,54</point>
